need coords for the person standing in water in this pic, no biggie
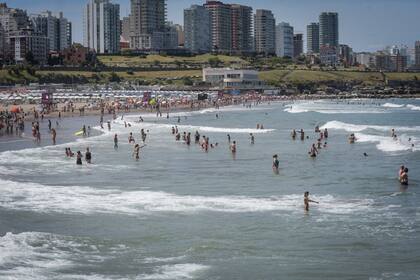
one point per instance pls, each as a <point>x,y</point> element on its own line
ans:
<point>252,138</point>
<point>109,125</point>
<point>401,171</point>
<point>88,156</point>
<point>275,163</point>
<point>197,137</point>
<point>302,134</point>
<point>293,134</point>
<point>131,138</point>
<point>325,133</point>
<point>233,147</point>
<point>306,201</point>
<point>404,177</point>
<point>79,158</point>
<point>313,152</point>
<point>228,137</point>
<point>188,139</point>
<point>136,152</point>
<point>38,136</point>
<point>143,135</point>
<point>53,135</point>
<point>115,141</point>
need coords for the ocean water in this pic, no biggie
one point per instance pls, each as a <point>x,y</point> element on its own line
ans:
<point>182,213</point>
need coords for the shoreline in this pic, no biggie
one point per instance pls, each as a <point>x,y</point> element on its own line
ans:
<point>29,109</point>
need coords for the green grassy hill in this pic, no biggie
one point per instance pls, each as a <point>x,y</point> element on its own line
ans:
<point>149,60</point>
<point>181,77</point>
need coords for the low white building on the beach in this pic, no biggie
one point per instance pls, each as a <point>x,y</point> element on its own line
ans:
<point>232,79</point>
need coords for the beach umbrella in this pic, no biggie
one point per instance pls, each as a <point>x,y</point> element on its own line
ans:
<point>152,102</point>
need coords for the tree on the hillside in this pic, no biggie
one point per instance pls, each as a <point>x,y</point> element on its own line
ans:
<point>188,81</point>
<point>214,62</point>
<point>114,78</point>
<point>30,59</point>
<point>156,63</point>
<point>178,63</point>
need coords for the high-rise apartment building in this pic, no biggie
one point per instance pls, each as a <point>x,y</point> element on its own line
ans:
<point>101,26</point>
<point>26,41</point>
<point>125,29</point>
<point>264,32</point>
<point>181,35</point>
<point>417,53</point>
<point>284,40</point>
<point>241,17</point>
<point>66,30</point>
<point>2,45</point>
<point>197,29</point>
<point>221,25</point>
<point>147,24</point>
<point>170,39</point>
<point>345,54</point>
<point>328,29</point>
<point>312,37</point>
<point>11,21</point>
<point>297,45</point>
<point>57,29</point>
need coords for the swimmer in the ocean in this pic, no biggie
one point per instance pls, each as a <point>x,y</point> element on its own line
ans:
<point>319,144</point>
<point>131,138</point>
<point>197,137</point>
<point>233,147</point>
<point>401,171</point>
<point>79,158</point>
<point>136,152</point>
<point>275,163</point>
<point>252,138</point>
<point>115,141</point>
<point>306,201</point>
<point>53,135</point>
<point>88,156</point>
<point>293,134</point>
<point>302,134</point>
<point>313,152</point>
<point>352,138</point>
<point>404,177</point>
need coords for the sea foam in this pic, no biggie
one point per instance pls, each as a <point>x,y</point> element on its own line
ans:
<point>392,105</point>
<point>86,200</point>
<point>360,127</point>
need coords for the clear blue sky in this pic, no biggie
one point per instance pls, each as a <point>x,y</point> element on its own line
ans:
<point>364,24</point>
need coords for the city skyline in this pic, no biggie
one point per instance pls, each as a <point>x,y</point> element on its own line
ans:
<point>354,17</point>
